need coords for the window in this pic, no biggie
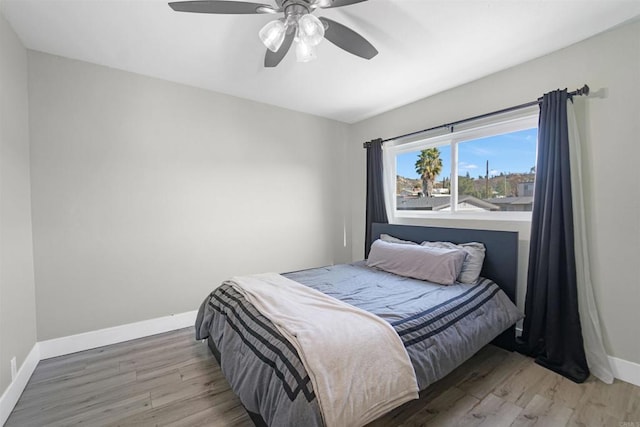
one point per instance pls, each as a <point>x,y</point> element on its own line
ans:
<point>486,171</point>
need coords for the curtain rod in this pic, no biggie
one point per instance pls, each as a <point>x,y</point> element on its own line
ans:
<point>584,90</point>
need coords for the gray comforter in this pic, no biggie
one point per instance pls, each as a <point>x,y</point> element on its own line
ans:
<point>440,326</point>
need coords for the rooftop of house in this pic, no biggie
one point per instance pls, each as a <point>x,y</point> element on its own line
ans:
<point>438,203</point>
<point>524,200</point>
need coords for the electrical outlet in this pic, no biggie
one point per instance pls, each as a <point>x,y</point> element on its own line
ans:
<point>14,369</point>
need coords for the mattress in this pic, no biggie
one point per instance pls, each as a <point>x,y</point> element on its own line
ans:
<point>440,327</point>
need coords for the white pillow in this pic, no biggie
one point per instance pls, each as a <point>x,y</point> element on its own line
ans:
<point>472,263</point>
<point>437,265</point>
<point>391,239</point>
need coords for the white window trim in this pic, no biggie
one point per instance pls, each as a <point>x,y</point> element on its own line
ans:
<point>522,120</point>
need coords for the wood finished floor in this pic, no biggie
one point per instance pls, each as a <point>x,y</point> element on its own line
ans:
<point>172,380</point>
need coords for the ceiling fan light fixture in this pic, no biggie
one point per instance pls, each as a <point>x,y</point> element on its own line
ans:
<point>304,51</point>
<point>310,30</point>
<point>272,34</point>
<point>323,3</point>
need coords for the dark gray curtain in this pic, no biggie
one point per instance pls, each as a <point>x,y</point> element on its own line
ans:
<point>376,211</point>
<point>551,331</point>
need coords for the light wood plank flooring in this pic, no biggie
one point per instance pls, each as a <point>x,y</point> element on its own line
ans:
<point>172,380</point>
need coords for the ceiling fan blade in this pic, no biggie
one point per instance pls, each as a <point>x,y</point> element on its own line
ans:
<point>347,39</point>
<point>223,7</point>
<point>272,59</point>
<point>340,3</point>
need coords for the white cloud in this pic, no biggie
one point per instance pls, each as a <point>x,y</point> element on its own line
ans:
<point>494,172</point>
<point>465,165</point>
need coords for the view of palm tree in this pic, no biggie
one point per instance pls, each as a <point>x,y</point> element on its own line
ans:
<point>428,166</point>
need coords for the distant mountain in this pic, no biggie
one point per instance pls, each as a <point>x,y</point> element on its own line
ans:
<point>407,185</point>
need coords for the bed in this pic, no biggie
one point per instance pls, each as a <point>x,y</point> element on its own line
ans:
<point>440,326</point>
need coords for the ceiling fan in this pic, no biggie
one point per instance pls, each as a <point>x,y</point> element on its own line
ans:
<point>298,25</point>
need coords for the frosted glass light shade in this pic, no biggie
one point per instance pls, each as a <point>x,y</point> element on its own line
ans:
<point>304,52</point>
<point>324,3</point>
<point>272,34</point>
<point>310,30</point>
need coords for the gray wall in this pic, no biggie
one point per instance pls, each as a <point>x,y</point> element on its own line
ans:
<point>147,194</point>
<point>610,125</point>
<point>17,294</point>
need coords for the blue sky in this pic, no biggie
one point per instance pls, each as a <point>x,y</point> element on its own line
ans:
<point>511,152</point>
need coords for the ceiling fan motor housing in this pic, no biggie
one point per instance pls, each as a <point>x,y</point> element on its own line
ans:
<point>297,8</point>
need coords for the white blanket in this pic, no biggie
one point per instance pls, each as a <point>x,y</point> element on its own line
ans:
<point>357,363</point>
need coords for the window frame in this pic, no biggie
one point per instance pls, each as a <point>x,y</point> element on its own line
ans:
<point>460,134</point>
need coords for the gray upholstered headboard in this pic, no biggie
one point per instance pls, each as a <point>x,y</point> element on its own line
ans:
<point>501,260</point>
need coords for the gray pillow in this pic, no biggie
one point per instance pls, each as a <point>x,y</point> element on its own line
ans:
<point>391,239</point>
<point>437,265</point>
<point>473,262</point>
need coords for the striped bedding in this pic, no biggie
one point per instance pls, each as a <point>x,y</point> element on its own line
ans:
<point>440,326</point>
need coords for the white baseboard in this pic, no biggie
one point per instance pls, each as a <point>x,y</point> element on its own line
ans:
<point>88,340</point>
<point>11,395</point>
<point>625,370</point>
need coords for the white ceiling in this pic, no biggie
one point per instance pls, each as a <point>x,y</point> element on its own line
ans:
<point>426,46</point>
